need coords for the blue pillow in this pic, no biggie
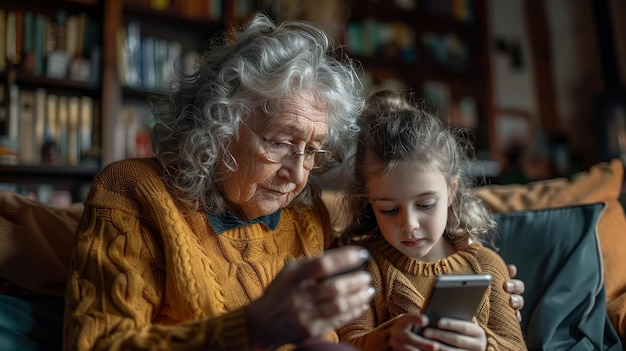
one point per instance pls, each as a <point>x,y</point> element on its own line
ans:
<point>558,257</point>
<point>31,323</point>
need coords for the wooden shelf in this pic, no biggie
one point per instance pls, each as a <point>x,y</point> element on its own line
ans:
<point>446,48</point>
<point>110,95</point>
<point>11,172</point>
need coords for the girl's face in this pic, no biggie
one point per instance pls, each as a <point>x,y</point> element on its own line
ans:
<point>260,187</point>
<point>411,208</point>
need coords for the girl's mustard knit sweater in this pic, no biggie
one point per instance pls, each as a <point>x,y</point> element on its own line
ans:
<point>149,273</point>
<point>401,286</point>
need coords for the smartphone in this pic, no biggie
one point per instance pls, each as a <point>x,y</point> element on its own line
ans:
<point>454,296</point>
<point>361,267</point>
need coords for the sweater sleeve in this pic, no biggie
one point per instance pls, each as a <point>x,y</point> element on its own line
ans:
<point>122,291</point>
<point>116,287</point>
<point>502,328</point>
<point>365,332</point>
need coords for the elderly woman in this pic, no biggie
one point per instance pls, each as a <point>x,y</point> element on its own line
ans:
<point>216,243</point>
<point>195,248</point>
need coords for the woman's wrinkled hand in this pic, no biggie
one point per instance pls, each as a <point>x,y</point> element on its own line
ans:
<point>310,297</point>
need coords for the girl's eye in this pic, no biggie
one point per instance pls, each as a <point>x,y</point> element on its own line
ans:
<point>426,206</point>
<point>389,212</point>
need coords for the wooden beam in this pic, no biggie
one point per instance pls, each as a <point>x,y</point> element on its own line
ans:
<point>536,19</point>
<point>111,89</point>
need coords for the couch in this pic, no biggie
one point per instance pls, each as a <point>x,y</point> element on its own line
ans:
<point>567,237</point>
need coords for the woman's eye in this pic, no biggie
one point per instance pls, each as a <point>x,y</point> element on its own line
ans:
<point>310,149</point>
<point>280,144</point>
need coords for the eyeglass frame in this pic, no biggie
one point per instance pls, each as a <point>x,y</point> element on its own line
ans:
<point>271,142</point>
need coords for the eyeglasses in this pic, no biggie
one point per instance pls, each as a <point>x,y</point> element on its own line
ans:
<point>277,151</point>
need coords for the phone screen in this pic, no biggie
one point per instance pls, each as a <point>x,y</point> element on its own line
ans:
<point>455,296</point>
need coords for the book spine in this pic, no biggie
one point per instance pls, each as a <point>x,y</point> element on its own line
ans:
<point>40,122</point>
<point>62,128</point>
<point>49,152</point>
<point>26,128</point>
<point>13,122</point>
<point>72,131</point>
<point>85,127</point>
<point>11,48</point>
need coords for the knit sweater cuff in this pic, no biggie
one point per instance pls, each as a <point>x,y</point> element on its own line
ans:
<point>234,331</point>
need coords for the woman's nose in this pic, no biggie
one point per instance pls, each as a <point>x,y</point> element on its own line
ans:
<point>293,169</point>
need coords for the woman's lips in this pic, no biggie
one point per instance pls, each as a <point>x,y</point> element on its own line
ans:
<point>277,193</point>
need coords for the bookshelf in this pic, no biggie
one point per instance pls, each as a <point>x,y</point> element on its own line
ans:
<point>435,48</point>
<point>440,53</point>
<point>67,104</point>
<point>438,49</point>
<point>49,97</point>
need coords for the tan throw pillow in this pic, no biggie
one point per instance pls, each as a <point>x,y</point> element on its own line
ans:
<point>36,241</point>
<point>601,183</point>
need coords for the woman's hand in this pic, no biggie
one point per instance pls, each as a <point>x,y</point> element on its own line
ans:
<point>310,297</point>
<point>515,287</point>
<point>450,334</point>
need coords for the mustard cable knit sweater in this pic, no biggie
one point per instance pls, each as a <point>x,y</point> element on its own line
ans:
<point>401,284</point>
<point>148,273</point>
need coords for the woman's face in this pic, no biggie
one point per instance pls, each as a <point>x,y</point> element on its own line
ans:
<point>260,187</point>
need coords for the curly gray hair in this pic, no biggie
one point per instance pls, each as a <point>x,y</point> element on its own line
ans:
<point>263,64</point>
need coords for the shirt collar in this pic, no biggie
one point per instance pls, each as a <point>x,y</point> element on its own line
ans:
<point>229,221</point>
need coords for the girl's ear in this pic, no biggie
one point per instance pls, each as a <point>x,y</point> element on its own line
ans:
<point>452,188</point>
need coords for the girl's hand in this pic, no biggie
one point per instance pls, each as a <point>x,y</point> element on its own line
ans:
<point>456,334</point>
<point>450,334</point>
<point>308,298</point>
<point>403,338</point>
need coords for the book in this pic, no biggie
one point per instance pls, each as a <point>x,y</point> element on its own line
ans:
<point>63,128</point>
<point>73,147</point>
<point>40,121</point>
<point>148,64</point>
<point>26,149</point>
<point>131,55</point>
<point>13,121</point>
<point>85,126</point>
<point>11,48</point>
<point>81,34</point>
<point>49,151</point>
<point>57,59</point>
<point>28,47</point>
<point>19,37</point>
<point>71,30</point>
<point>39,45</point>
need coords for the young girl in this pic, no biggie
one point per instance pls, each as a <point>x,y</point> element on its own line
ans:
<point>411,206</point>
